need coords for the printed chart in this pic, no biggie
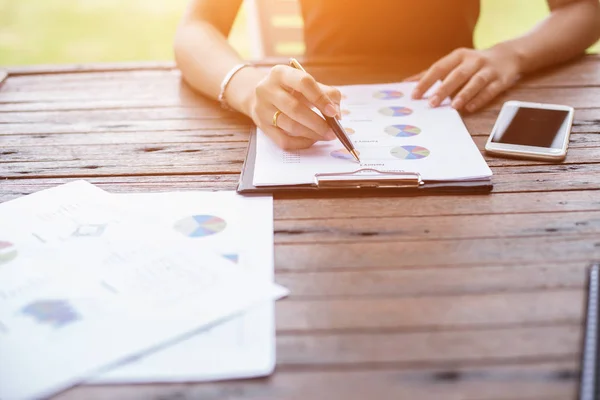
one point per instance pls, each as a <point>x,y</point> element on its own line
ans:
<point>56,313</point>
<point>410,152</point>
<point>8,252</point>
<point>200,225</point>
<point>402,131</point>
<point>232,257</point>
<point>388,94</point>
<point>342,154</point>
<point>395,111</point>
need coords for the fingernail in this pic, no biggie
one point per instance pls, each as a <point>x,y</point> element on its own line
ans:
<point>457,103</point>
<point>339,112</point>
<point>471,107</point>
<point>434,101</point>
<point>330,110</point>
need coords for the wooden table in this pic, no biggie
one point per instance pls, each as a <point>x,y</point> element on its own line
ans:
<point>432,297</point>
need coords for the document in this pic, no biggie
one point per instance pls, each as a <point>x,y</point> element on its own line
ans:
<point>391,132</point>
<point>240,229</point>
<point>76,299</point>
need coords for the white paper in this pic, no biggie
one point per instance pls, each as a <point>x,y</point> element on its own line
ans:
<point>242,347</point>
<point>391,132</point>
<point>75,297</point>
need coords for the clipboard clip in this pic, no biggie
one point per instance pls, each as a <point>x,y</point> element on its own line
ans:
<point>368,178</point>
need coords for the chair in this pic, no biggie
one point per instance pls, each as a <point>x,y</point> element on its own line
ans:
<point>275,28</point>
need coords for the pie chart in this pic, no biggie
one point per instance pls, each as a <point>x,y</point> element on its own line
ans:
<point>395,111</point>
<point>349,131</point>
<point>388,94</point>
<point>55,313</point>
<point>402,130</point>
<point>409,152</point>
<point>8,252</point>
<point>342,154</point>
<point>200,225</point>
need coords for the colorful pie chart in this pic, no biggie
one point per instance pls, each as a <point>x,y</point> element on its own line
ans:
<point>200,225</point>
<point>402,130</point>
<point>56,313</point>
<point>8,252</point>
<point>395,111</point>
<point>388,94</point>
<point>342,154</point>
<point>232,257</point>
<point>409,152</point>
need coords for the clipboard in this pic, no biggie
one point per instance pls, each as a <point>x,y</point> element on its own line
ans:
<point>361,181</point>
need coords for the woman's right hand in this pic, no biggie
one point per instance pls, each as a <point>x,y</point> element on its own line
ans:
<point>294,93</point>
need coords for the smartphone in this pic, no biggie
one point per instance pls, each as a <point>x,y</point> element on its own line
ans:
<point>532,130</point>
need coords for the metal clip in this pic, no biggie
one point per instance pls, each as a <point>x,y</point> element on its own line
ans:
<point>368,178</point>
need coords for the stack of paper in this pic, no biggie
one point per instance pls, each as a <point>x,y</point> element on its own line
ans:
<point>133,288</point>
<point>391,132</point>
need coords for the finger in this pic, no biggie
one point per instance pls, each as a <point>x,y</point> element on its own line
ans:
<point>285,141</point>
<point>456,79</point>
<point>333,93</point>
<point>298,111</point>
<point>437,71</point>
<point>296,129</point>
<point>476,84</point>
<point>304,83</point>
<point>485,96</point>
<point>415,77</point>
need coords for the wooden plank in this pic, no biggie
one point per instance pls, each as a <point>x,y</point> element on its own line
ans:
<point>12,189</point>
<point>426,314</point>
<point>86,68</point>
<point>122,160</point>
<point>580,97</point>
<point>505,182</point>
<point>434,280</point>
<point>343,230</point>
<point>147,138</point>
<point>476,252</point>
<point>289,207</point>
<point>429,348</point>
<point>95,79</point>
<point>548,380</point>
<point>209,123</point>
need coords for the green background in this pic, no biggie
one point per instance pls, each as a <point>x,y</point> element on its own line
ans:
<point>69,31</point>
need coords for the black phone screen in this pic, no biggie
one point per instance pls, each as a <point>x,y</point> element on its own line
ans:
<point>532,127</point>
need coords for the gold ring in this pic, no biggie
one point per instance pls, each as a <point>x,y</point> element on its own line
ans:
<point>275,116</point>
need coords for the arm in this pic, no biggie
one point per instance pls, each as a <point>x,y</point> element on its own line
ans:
<point>205,57</point>
<point>477,76</point>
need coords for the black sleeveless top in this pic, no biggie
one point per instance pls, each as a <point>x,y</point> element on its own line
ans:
<point>427,29</point>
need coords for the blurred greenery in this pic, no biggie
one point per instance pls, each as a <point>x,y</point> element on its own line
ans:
<point>70,31</point>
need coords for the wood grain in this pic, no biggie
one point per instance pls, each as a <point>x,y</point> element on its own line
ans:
<point>392,297</point>
<point>554,380</point>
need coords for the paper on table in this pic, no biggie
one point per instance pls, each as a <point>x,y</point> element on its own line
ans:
<point>391,132</point>
<point>241,229</point>
<point>74,300</point>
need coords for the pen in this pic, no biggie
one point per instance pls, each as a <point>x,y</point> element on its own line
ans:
<point>589,385</point>
<point>332,122</point>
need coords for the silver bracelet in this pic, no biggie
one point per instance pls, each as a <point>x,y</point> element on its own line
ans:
<point>225,83</point>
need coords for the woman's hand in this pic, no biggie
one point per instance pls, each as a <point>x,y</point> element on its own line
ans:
<point>473,77</point>
<point>294,93</point>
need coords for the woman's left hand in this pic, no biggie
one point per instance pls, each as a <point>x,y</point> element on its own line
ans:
<point>474,77</point>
